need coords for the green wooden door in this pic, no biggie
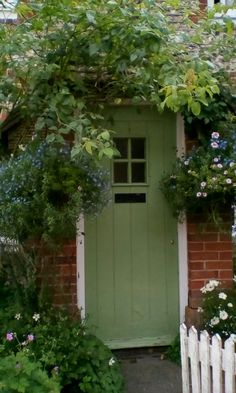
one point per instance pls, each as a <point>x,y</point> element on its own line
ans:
<point>131,267</point>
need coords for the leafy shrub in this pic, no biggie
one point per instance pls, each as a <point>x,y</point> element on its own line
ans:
<point>63,346</point>
<point>219,308</point>
<point>19,374</point>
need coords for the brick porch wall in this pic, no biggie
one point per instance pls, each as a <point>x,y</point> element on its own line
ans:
<point>210,256</point>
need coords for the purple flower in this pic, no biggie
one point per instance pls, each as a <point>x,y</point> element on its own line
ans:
<point>9,336</point>
<point>30,337</point>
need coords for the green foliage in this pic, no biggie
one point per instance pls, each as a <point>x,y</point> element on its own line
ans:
<point>173,351</point>
<point>67,55</point>
<point>43,191</point>
<point>203,180</point>
<point>19,374</point>
<point>63,347</point>
<point>18,278</point>
<point>218,309</point>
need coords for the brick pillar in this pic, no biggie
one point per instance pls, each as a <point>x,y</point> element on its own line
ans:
<point>209,257</point>
<point>58,275</point>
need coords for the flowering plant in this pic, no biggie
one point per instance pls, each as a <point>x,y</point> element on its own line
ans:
<point>204,179</point>
<point>219,308</point>
<point>65,349</point>
<point>43,191</point>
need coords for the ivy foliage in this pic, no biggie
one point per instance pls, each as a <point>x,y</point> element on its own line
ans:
<point>65,56</point>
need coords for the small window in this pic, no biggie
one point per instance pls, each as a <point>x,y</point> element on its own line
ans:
<point>230,12</point>
<point>130,167</point>
<point>229,3</point>
<point>7,10</point>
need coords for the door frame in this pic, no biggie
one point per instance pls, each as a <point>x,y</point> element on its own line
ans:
<point>182,245</point>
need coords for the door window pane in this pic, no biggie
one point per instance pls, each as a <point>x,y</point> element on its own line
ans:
<point>120,172</point>
<point>138,172</point>
<point>122,147</point>
<point>137,148</point>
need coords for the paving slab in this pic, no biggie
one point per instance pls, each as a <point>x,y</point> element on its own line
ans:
<point>147,371</point>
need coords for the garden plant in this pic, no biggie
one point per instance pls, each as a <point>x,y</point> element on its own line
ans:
<point>55,348</point>
<point>218,309</point>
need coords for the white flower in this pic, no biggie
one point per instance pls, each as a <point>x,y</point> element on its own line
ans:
<point>230,305</point>
<point>203,184</point>
<point>225,172</point>
<point>219,166</point>
<point>216,159</point>
<point>186,162</point>
<point>210,286</point>
<point>231,164</point>
<point>21,147</point>
<point>234,278</point>
<point>18,316</point>
<point>200,309</point>
<point>223,315</point>
<point>228,181</point>
<point>111,362</point>
<point>36,317</point>
<point>215,135</point>
<point>222,295</point>
<point>214,321</point>
<point>214,178</point>
<point>198,194</point>
<point>204,194</point>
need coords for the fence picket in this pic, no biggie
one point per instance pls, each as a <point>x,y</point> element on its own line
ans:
<point>194,360</point>
<point>229,366</point>
<point>204,355</point>
<point>184,359</point>
<point>216,361</point>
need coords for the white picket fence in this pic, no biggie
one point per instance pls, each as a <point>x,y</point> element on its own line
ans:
<point>208,366</point>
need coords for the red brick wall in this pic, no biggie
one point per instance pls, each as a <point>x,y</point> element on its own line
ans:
<point>58,272</point>
<point>209,257</point>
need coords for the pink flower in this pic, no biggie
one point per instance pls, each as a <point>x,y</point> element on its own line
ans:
<point>10,336</point>
<point>215,135</point>
<point>214,145</point>
<point>30,337</point>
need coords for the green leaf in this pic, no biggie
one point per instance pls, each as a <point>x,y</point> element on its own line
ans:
<point>91,17</point>
<point>105,135</point>
<point>108,152</point>
<point>93,49</point>
<point>195,108</point>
